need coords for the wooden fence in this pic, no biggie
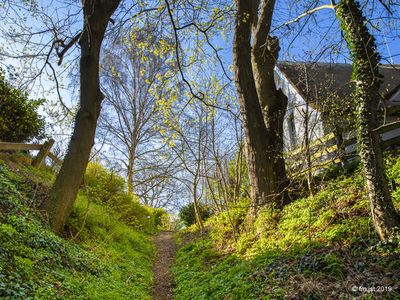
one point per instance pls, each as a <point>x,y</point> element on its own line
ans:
<point>324,151</point>
<point>44,151</point>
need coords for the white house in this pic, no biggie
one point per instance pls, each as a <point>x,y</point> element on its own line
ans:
<point>321,85</point>
<point>319,98</point>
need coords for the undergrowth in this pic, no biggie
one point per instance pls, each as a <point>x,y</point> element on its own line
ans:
<point>320,247</point>
<point>100,256</point>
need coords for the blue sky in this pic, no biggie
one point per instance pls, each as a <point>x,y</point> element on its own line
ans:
<point>318,37</point>
<point>314,38</point>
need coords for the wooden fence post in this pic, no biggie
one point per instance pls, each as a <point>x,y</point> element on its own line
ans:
<point>38,160</point>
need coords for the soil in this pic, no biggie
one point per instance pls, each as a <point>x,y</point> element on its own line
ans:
<point>163,281</point>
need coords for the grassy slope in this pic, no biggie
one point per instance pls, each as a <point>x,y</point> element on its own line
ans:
<point>320,248</point>
<point>107,260</point>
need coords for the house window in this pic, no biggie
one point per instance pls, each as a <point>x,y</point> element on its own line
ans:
<point>292,129</point>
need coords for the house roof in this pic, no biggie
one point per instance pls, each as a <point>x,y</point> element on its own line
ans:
<point>319,82</point>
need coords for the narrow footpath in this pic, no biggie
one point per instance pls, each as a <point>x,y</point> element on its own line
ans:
<point>163,281</point>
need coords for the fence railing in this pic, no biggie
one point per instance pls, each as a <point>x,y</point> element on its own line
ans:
<point>325,150</point>
<point>44,151</point>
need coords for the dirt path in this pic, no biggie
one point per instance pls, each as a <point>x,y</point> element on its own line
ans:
<point>163,282</point>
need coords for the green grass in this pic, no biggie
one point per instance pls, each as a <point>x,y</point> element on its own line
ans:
<point>107,259</point>
<point>316,248</point>
<point>201,273</point>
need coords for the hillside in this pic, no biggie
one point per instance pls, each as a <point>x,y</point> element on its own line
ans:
<point>100,256</point>
<point>321,247</point>
<point>199,150</point>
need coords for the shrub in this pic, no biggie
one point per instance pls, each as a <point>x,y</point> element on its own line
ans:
<point>19,118</point>
<point>108,188</point>
<point>228,223</point>
<point>103,186</point>
<point>188,217</point>
<point>159,216</point>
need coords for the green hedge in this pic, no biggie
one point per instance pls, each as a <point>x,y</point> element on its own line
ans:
<point>19,117</point>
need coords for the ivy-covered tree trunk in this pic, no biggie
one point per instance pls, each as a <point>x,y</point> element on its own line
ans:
<point>262,105</point>
<point>367,79</point>
<point>58,206</point>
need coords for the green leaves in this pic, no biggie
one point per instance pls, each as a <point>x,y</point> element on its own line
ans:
<point>187,214</point>
<point>111,261</point>
<point>19,117</point>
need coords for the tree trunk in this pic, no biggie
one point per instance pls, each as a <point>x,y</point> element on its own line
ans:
<point>129,178</point>
<point>339,140</point>
<point>273,104</point>
<point>306,114</point>
<point>196,205</point>
<point>367,78</point>
<point>96,13</point>
<point>262,106</point>
<point>238,174</point>
<point>131,168</point>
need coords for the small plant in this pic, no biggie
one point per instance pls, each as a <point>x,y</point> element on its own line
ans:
<point>332,264</point>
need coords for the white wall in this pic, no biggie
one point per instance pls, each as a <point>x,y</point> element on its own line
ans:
<point>297,108</point>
